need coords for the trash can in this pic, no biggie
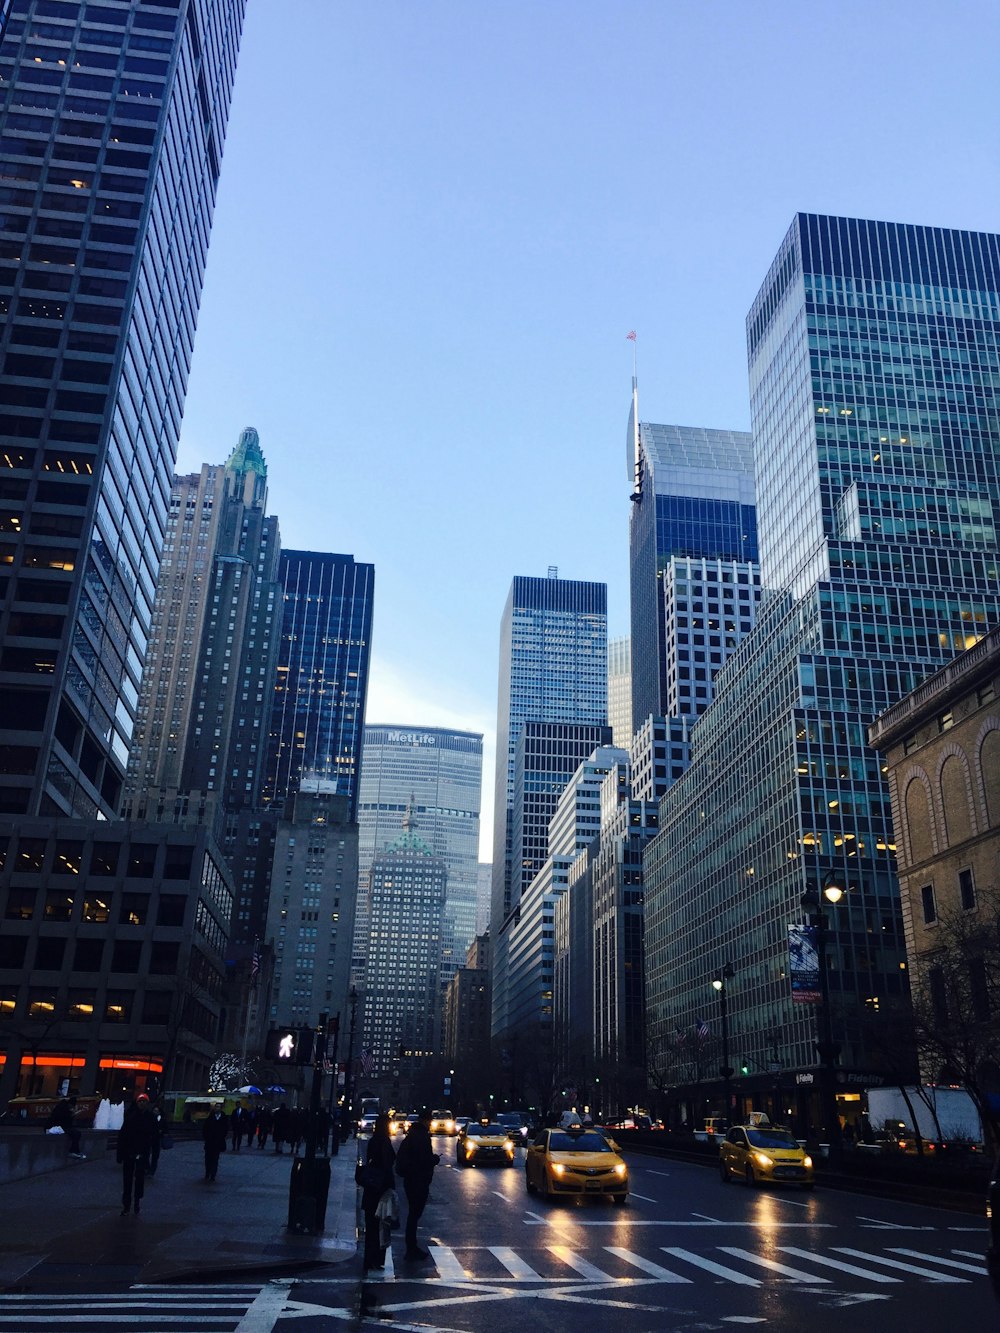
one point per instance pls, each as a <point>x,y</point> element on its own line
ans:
<point>307,1194</point>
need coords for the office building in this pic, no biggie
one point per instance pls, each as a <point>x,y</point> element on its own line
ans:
<point>401,1011</point>
<point>209,675</point>
<point>553,668</point>
<point>439,774</point>
<point>113,127</point>
<point>620,690</point>
<point>318,710</point>
<point>692,515</point>
<point>877,505</point>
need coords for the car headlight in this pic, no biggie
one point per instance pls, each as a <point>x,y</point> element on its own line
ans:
<point>557,1168</point>
<point>762,1159</point>
<point>621,1169</point>
<point>807,1161</point>
<point>470,1148</point>
<point>508,1145</point>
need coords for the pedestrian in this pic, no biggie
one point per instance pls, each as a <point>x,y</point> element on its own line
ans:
<point>415,1162</point>
<point>154,1156</point>
<point>281,1123</point>
<point>296,1128</point>
<point>64,1117</point>
<point>214,1132</point>
<point>135,1144</point>
<point>238,1124</point>
<point>377,1177</point>
<point>264,1126</point>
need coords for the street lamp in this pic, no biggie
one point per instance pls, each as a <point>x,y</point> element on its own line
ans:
<point>346,1117</point>
<point>813,900</point>
<point>725,1069</point>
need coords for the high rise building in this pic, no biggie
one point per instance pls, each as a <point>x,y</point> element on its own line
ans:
<point>318,711</point>
<point>401,1013</point>
<point>875,445</point>
<point>437,773</point>
<point>553,668</point>
<point>692,501</point>
<point>112,129</point>
<point>620,690</point>
<point>209,674</point>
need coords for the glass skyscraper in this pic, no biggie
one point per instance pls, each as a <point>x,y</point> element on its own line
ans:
<point>318,712</point>
<point>874,366</point>
<point>111,140</point>
<point>553,668</point>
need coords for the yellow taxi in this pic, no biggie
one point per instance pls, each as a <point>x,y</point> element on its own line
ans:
<point>759,1153</point>
<point>398,1122</point>
<point>576,1161</point>
<point>443,1122</point>
<point>481,1143</point>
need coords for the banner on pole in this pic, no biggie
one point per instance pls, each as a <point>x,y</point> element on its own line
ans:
<point>804,964</point>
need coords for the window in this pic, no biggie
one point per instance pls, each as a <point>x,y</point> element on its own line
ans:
<point>966,890</point>
<point>134,909</point>
<point>125,957</point>
<point>979,990</point>
<point>117,1006</point>
<point>87,955</point>
<point>42,1003</point>
<point>156,1007</point>
<point>104,858</point>
<point>938,990</point>
<point>928,904</point>
<point>170,911</point>
<point>141,860</point>
<point>20,904</point>
<point>95,908</point>
<point>80,1005</point>
<point>30,856</point>
<point>58,905</point>
<point>49,953</point>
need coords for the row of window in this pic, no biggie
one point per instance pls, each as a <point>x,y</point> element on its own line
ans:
<point>83,1006</point>
<point>966,897</point>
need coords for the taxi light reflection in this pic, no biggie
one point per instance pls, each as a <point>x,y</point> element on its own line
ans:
<point>508,1145</point>
<point>621,1169</point>
<point>762,1159</point>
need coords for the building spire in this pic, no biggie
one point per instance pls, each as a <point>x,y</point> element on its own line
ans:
<point>633,453</point>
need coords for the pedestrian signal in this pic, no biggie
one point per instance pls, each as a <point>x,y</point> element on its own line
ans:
<point>289,1046</point>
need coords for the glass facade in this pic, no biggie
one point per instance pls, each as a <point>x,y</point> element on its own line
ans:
<point>317,717</point>
<point>873,363</point>
<point>553,668</point>
<point>110,145</point>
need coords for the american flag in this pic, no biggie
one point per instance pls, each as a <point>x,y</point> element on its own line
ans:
<point>680,1037</point>
<point>255,962</point>
<point>630,336</point>
<point>367,1061</point>
<point>702,1029</point>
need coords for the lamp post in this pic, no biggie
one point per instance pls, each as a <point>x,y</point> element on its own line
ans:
<point>826,1048</point>
<point>346,1119</point>
<point>725,1069</point>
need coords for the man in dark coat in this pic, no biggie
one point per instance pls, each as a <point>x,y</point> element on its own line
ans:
<point>415,1162</point>
<point>380,1158</point>
<point>214,1132</point>
<point>135,1143</point>
<point>281,1125</point>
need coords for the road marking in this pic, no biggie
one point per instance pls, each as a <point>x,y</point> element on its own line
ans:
<point>706,1218</point>
<point>661,1173</point>
<point>874,1222</point>
<point>720,1270</point>
<point>501,1195</point>
<point>646,1265</point>
<point>644,1197</point>
<point>796,1274</point>
<point>761,1224</point>
<point>970,1254</point>
<point>840,1264</point>
<point>585,1269</point>
<point>796,1203</point>
<point>895,1263</point>
<point>514,1264</point>
<point>938,1259</point>
<point>267,1307</point>
<point>447,1263</point>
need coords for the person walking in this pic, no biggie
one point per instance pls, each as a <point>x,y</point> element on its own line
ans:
<point>135,1144</point>
<point>238,1124</point>
<point>415,1162</point>
<point>214,1132</point>
<point>280,1125</point>
<point>377,1177</point>
<point>264,1126</point>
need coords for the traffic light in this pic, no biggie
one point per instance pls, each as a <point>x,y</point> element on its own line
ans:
<point>744,1068</point>
<point>289,1046</point>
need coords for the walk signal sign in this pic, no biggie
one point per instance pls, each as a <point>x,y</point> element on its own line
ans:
<point>289,1046</point>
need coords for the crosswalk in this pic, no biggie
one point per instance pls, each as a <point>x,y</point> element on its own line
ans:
<point>614,1264</point>
<point>148,1309</point>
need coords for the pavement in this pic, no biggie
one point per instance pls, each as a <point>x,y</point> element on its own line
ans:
<point>64,1230</point>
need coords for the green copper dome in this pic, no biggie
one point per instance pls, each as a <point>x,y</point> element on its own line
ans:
<point>248,455</point>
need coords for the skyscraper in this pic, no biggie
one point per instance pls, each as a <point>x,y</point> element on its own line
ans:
<point>620,690</point>
<point>692,499</point>
<point>318,711</point>
<point>553,668</point>
<point>437,773</point>
<point>209,675</point>
<point>112,135</point>
<point>875,444</point>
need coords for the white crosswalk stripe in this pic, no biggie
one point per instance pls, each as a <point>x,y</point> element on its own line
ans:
<point>940,1259</point>
<point>710,1266</point>
<point>447,1263</point>
<point>147,1309</point>
<point>646,1265</point>
<point>580,1265</point>
<point>514,1264</point>
<point>840,1264</point>
<point>897,1264</point>
<point>784,1270</point>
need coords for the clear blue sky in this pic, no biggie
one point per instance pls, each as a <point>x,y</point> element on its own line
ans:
<point>438,221</point>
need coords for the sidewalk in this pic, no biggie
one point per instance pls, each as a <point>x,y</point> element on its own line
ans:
<point>64,1229</point>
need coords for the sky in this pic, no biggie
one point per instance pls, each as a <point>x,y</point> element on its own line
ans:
<point>438,221</point>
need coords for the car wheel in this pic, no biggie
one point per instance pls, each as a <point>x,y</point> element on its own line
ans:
<point>724,1173</point>
<point>528,1185</point>
<point>620,1200</point>
<point>750,1177</point>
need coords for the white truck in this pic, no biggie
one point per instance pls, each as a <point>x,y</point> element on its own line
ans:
<point>943,1114</point>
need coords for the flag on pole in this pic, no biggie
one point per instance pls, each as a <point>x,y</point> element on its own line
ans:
<point>630,336</point>
<point>255,962</point>
<point>703,1029</point>
<point>680,1036</point>
<point>367,1061</point>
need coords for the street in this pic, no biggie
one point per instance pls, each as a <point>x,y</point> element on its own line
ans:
<point>687,1253</point>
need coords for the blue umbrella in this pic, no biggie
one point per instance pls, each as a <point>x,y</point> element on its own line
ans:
<point>250,1090</point>
<point>275,1087</point>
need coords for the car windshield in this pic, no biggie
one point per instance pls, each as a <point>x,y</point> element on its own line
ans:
<point>485,1132</point>
<point>770,1138</point>
<point>578,1143</point>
